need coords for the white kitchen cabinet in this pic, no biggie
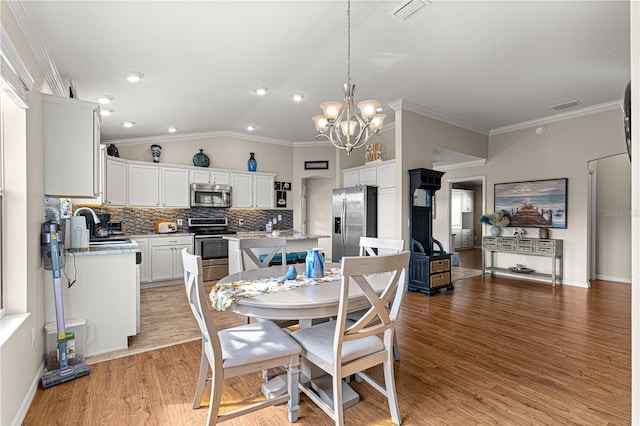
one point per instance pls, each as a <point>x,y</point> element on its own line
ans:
<point>174,187</point>
<point>143,185</point>
<point>457,238</point>
<point>145,266</point>
<point>220,177</point>
<point>466,201</point>
<point>387,214</point>
<point>252,190</point>
<point>456,213</point>
<point>386,174</point>
<point>367,176</point>
<point>115,183</point>
<point>166,257</point>
<point>71,147</point>
<point>349,178</point>
<point>467,238</point>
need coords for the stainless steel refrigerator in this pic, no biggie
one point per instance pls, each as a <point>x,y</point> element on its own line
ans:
<point>355,215</point>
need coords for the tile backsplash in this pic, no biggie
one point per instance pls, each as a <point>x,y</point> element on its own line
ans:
<point>140,220</point>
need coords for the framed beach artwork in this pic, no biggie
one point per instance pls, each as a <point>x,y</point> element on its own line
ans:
<point>533,204</point>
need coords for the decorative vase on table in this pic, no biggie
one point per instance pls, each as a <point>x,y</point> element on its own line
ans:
<point>252,164</point>
<point>314,263</point>
<point>201,159</point>
<point>496,231</point>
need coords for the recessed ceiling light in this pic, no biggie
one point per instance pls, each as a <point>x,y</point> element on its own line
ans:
<point>298,97</point>
<point>129,124</point>
<point>172,129</point>
<point>104,99</point>
<point>106,112</point>
<point>134,77</point>
<point>261,91</point>
<point>251,127</point>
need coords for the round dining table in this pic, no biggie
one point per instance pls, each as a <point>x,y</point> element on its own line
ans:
<point>303,304</point>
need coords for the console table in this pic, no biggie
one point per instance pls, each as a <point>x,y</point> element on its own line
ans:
<point>550,248</point>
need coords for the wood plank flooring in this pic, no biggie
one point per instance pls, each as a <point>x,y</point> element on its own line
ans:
<point>494,351</point>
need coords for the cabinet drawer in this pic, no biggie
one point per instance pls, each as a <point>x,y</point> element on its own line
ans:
<point>524,249</point>
<point>506,246</point>
<point>521,242</point>
<point>490,243</point>
<point>545,243</point>
<point>171,241</point>
<point>436,266</point>
<point>545,250</point>
<point>437,280</point>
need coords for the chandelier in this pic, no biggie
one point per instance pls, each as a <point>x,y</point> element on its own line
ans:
<point>341,124</point>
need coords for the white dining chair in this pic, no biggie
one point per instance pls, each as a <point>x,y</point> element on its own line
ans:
<point>371,246</point>
<point>238,351</point>
<point>342,347</point>
<point>249,248</point>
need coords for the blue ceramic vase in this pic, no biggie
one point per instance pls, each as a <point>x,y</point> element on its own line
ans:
<point>201,159</point>
<point>315,263</point>
<point>252,164</point>
<point>495,231</point>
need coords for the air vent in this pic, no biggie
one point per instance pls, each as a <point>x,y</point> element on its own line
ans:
<point>565,105</point>
<point>408,8</point>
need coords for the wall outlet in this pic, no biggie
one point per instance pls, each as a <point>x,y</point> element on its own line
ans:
<point>275,221</point>
<point>179,222</point>
<point>280,217</point>
<point>240,222</point>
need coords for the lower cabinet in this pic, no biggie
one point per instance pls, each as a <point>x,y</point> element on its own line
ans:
<point>430,273</point>
<point>166,257</point>
<point>145,265</point>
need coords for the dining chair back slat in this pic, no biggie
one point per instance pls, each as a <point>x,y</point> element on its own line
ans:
<point>248,246</point>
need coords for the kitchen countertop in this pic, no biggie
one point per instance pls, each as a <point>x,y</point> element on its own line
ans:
<point>154,235</point>
<point>289,235</point>
<point>103,249</point>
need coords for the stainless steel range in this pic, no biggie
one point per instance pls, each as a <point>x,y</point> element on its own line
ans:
<point>209,244</point>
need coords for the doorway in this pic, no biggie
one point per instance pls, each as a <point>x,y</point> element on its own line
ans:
<point>467,198</point>
<point>609,219</point>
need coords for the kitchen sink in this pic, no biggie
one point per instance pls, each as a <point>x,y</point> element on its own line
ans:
<point>100,241</point>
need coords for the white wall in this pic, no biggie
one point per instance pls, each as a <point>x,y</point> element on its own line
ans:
<point>20,361</point>
<point>319,205</point>
<point>613,218</point>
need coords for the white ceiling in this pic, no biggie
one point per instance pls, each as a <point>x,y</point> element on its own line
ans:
<point>483,64</point>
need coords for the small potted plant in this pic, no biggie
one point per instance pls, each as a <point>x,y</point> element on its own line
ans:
<point>498,221</point>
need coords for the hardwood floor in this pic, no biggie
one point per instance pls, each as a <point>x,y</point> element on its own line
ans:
<point>470,258</point>
<point>495,350</point>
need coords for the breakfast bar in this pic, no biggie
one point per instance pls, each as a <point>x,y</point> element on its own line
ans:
<point>296,243</point>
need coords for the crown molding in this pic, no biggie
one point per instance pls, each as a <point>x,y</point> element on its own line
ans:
<point>191,136</point>
<point>20,9</point>
<point>472,163</point>
<point>431,113</point>
<point>557,117</point>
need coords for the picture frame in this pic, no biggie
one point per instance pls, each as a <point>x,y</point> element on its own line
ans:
<point>277,186</point>
<point>281,199</point>
<point>534,203</point>
<point>316,165</point>
<point>286,186</point>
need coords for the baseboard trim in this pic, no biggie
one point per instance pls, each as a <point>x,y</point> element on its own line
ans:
<point>28,398</point>
<point>611,278</point>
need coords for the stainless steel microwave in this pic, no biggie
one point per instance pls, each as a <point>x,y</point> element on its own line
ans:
<point>210,195</point>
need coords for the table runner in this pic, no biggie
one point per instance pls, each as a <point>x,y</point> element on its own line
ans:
<point>222,295</point>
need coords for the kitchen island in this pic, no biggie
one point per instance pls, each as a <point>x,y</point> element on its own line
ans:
<point>101,285</point>
<point>296,242</point>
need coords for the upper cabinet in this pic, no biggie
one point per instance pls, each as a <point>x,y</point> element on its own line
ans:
<point>71,147</point>
<point>144,185</point>
<point>174,187</point>
<point>252,190</point>
<point>220,177</point>
<point>115,183</point>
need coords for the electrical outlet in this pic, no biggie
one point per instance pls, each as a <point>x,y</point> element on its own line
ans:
<point>274,221</point>
<point>179,222</point>
<point>280,218</point>
<point>240,222</point>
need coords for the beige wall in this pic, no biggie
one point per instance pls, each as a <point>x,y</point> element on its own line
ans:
<point>387,140</point>
<point>20,361</point>
<point>225,152</point>
<point>613,218</point>
<point>564,150</point>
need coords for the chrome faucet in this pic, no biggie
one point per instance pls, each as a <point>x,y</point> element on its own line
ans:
<point>95,216</point>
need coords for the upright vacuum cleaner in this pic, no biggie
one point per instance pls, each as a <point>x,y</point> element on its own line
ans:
<point>53,254</point>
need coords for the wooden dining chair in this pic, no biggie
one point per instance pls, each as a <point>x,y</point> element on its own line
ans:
<point>250,248</point>
<point>343,347</point>
<point>371,246</point>
<point>238,351</point>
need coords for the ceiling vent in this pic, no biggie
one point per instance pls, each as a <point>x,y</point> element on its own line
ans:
<point>408,8</point>
<point>565,105</point>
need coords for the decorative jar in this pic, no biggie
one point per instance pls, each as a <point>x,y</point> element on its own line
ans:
<point>201,159</point>
<point>495,231</point>
<point>156,150</point>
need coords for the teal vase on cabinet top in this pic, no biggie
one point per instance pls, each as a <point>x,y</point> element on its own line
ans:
<point>201,159</point>
<point>252,164</point>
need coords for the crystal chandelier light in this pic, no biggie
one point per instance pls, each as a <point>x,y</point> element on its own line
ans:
<point>341,124</point>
